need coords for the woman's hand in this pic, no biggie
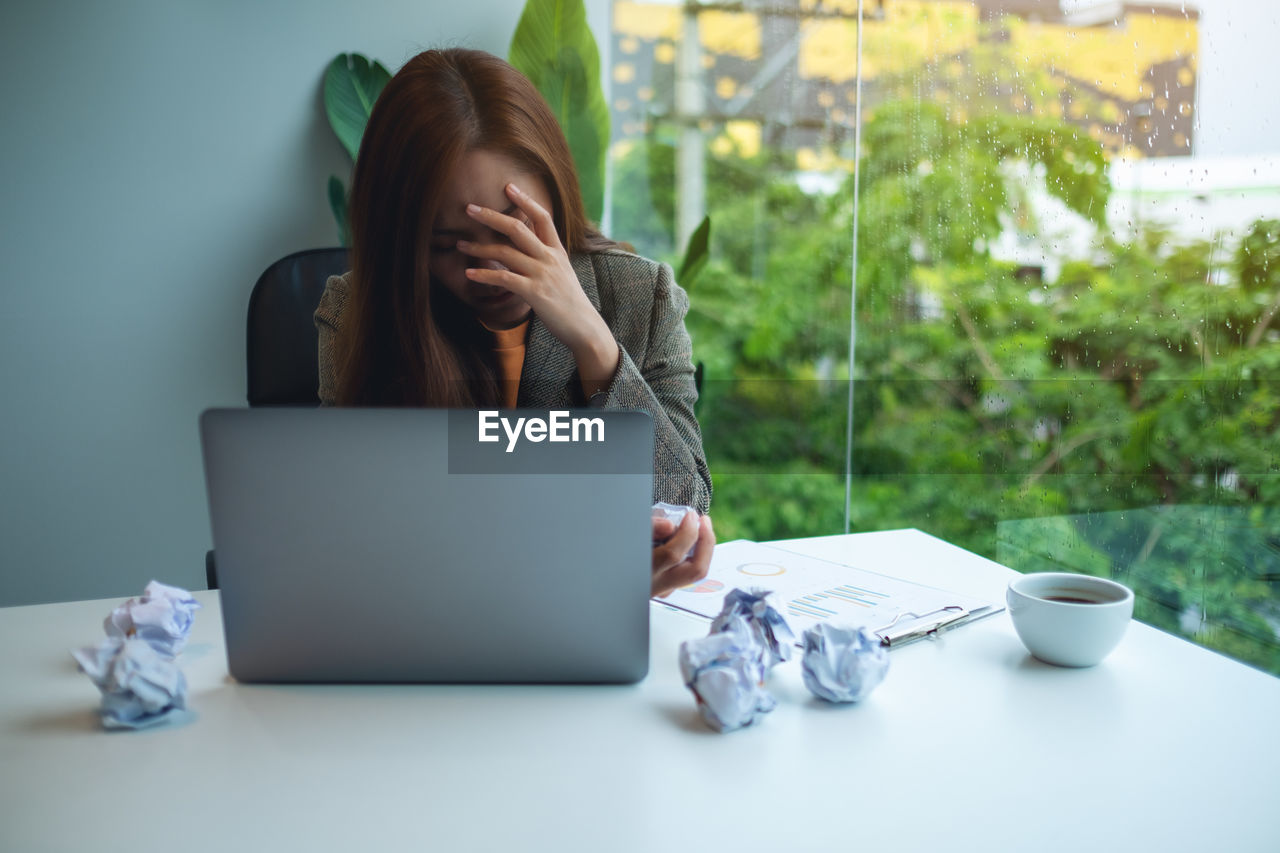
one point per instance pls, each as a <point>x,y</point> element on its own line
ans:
<point>670,568</point>
<point>537,269</point>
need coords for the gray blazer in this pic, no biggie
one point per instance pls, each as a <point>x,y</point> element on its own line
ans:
<point>644,308</point>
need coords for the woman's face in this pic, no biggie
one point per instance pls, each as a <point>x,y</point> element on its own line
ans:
<point>481,178</point>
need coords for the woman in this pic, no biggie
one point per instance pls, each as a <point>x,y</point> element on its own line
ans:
<point>477,281</point>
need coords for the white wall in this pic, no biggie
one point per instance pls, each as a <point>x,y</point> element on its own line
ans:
<point>157,155</point>
<point>1237,112</point>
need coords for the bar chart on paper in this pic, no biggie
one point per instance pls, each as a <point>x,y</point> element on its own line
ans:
<point>810,590</point>
<point>840,603</point>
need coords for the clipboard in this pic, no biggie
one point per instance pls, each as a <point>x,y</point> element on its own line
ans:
<point>811,590</point>
<point>929,625</point>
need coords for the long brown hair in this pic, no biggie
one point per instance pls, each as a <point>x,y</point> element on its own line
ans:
<point>403,341</point>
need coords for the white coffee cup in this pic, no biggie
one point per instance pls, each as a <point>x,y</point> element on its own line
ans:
<point>1067,619</point>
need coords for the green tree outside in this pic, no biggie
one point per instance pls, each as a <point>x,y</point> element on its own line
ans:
<point>1119,420</point>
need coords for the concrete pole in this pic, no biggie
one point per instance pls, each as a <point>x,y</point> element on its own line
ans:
<point>691,177</point>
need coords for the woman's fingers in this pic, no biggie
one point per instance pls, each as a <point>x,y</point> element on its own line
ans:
<point>520,235</point>
<point>670,568</point>
<point>508,267</point>
<point>700,562</point>
<point>504,254</point>
<point>532,252</point>
<point>544,277</point>
<point>674,578</point>
<point>706,544</point>
<point>671,553</point>
<point>539,217</point>
<point>539,233</point>
<point>663,528</point>
<point>506,279</point>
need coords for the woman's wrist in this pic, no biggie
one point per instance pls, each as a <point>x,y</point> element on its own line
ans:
<point>597,363</point>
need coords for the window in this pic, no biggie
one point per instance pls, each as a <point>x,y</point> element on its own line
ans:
<point>1065,344</point>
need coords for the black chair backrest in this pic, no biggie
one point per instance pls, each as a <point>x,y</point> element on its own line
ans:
<point>282,342</point>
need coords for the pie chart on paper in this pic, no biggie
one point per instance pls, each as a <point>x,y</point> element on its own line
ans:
<point>761,570</point>
<point>707,585</point>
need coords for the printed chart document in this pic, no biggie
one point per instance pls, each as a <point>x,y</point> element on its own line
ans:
<point>810,590</point>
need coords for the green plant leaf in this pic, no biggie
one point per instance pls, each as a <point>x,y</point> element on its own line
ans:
<point>554,48</point>
<point>351,86</point>
<point>338,204</point>
<point>695,254</point>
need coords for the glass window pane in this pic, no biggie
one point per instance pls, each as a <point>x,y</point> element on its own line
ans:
<point>1064,319</point>
<point>1067,333</point>
<point>718,112</point>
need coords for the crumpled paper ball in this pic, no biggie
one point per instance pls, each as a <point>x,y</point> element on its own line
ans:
<point>674,513</point>
<point>773,636</point>
<point>726,675</point>
<point>161,616</point>
<point>140,686</point>
<point>842,664</point>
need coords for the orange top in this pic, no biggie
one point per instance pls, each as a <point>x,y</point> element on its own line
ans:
<point>508,347</point>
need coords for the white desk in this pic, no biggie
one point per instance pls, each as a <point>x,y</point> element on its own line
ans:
<point>968,745</point>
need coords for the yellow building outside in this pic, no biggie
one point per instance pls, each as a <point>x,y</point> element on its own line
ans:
<point>1130,82</point>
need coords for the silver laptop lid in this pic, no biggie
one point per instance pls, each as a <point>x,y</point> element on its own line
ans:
<point>381,545</point>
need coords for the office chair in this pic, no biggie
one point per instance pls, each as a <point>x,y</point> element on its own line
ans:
<point>281,340</point>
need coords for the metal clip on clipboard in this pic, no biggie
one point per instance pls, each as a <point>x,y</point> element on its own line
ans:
<point>915,631</point>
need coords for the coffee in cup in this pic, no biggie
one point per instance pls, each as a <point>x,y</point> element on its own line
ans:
<point>1068,619</point>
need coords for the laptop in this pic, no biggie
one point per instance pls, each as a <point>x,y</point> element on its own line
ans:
<point>432,545</point>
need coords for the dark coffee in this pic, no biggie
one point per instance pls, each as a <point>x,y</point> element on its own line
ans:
<point>1069,599</point>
